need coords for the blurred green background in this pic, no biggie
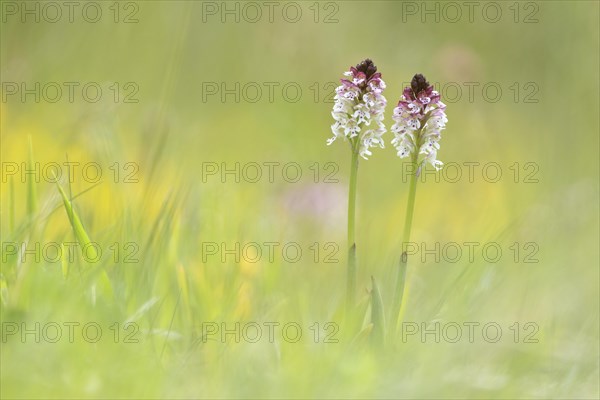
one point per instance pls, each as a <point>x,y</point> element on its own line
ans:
<point>166,57</point>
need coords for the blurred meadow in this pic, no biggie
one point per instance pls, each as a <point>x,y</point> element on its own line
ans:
<point>187,90</point>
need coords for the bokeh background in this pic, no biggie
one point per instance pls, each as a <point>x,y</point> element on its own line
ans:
<point>540,132</point>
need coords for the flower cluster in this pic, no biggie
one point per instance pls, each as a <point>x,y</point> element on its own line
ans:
<point>419,119</point>
<point>358,109</point>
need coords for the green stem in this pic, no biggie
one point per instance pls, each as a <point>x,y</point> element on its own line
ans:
<point>410,206</point>
<point>401,277</point>
<point>351,279</point>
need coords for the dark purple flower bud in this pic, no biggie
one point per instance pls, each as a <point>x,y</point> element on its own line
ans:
<point>419,84</point>
<point>367,67</point>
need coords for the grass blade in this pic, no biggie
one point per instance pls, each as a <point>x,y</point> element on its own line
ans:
<point>398,295</point>
<point>11,206</point>
<point>31,189</point>
<point>377,314</point>
<point>88,250</point>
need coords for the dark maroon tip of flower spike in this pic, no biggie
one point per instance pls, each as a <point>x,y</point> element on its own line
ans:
<point>418,84</point>
<point>367,67</point>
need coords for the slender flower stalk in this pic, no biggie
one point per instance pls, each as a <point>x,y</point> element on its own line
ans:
<point>401,277</point>
<point>358,114</point>
<point>419,119</point>
<point>352,269</point>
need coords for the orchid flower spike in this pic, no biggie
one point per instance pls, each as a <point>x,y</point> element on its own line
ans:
<point>358,109</point>
<point>419,119</point>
